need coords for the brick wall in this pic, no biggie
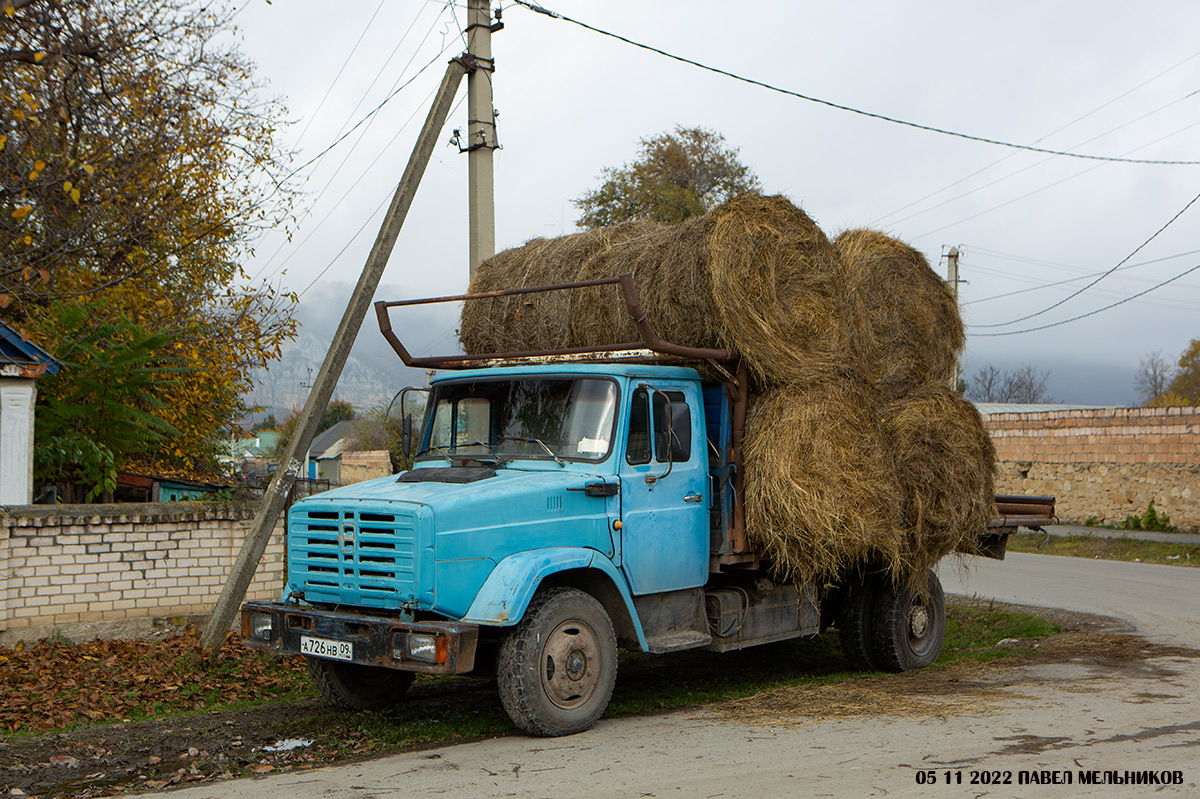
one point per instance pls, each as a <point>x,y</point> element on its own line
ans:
<point>69,565</point>
<point>1108,463</point>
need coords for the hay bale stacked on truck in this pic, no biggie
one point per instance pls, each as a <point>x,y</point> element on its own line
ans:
<point>856,451</point>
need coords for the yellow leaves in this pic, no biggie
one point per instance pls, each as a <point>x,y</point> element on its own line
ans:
<point>75,196</point>
<point>37,57</point>
<point>29,101</point>
<point>91,170</point>
<point>67,185</point>
<point>3,141</point>
<point>21,211</point>
<point>37,169</point>
<point>5,300</point>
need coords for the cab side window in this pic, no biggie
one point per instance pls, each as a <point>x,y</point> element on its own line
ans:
<point>637,450</point>
<point>672,427</point>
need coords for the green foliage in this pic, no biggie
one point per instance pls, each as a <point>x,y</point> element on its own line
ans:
<point>105,405</point>
<point>337,411</point>
<point>676,175</point>
<point>265,424</point>
<point>1150,520</point>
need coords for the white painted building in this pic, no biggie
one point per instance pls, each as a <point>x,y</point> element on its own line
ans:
<point>21,363</point>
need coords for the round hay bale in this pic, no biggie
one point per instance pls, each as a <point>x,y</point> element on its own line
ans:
<point>669,265</point>
<point>777,290</point>
<point>821,496</point>
<point>945,470</point>
<point>755,275</point>
<point>529,321</point>
<point>910,333</point>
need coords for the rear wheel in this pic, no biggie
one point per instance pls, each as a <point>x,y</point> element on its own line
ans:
<point>354,687</point>
<point>557,668</point>
<point>855,622</point>
<point>909,625</point>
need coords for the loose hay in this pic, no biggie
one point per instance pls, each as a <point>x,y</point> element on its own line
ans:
<point>820,492</point>
<point>855,454</point>
<point>911,333</point>
<point>755,275</point>
<point>945,463</point>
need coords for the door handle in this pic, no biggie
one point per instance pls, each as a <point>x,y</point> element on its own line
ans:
<point>693,497</point>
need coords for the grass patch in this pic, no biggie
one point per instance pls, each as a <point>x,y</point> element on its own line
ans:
<point>1126,549</point>
<point>451,709</point>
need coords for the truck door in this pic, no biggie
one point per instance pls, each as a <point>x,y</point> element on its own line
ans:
<point>664,489</point>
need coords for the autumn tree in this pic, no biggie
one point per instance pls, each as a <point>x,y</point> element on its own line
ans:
<point>136,160</point>
<point>676,175</point>
<point>1184,385</point>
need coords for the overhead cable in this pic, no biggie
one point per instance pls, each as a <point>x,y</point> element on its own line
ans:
<point>851,109</point>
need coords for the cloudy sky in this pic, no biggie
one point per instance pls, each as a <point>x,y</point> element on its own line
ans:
<point>1104,78</point>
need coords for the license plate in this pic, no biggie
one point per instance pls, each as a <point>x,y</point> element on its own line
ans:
<point>324,648</point>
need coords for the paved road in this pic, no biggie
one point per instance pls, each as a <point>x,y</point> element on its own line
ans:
<point>1059,718</point>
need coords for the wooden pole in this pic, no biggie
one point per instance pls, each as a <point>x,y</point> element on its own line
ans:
<point>318,399</point>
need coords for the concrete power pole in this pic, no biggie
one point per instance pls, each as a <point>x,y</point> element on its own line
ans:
<point>952,279</point>
<point>318,399</point>
<point>481,133</point>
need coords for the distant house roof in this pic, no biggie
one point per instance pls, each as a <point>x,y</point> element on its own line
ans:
<point>21,358</point>
<point>328,444</point>
<point>1034,407</point>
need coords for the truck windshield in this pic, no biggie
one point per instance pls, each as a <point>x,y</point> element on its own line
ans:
<point>541,418</point>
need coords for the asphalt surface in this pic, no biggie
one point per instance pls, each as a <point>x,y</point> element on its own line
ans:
<point>1063,718</point>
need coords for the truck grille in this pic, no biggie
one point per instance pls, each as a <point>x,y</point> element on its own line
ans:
<point>352,557</point>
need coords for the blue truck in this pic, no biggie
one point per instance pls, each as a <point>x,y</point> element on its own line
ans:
<point>561,505</point>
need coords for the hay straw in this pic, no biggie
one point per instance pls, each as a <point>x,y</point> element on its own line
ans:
<point>821,497</point>
<point>945,470</point>
<point>911,333</point>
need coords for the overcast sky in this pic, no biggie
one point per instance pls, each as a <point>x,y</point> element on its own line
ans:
<point>1105,78</point>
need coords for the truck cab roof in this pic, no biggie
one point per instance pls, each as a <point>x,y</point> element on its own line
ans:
<point>628,370</point>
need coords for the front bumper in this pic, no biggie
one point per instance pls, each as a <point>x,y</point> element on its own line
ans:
<point>373,638</point>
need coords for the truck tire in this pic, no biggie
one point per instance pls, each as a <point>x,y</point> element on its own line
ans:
<point>910,626</point>
<point>854,622</point>
<point>557,668</point>
<point>354,687</point>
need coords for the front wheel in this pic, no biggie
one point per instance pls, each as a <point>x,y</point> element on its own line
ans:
<point>557,668</point>
<point>909,626</point>
<point>354,687</point>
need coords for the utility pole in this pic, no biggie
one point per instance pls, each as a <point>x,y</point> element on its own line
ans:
<point>952,279</point>
<point>481,133</point>
<point>318,399</point>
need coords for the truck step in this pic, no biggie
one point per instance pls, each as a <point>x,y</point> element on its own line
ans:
<point>676,642</point>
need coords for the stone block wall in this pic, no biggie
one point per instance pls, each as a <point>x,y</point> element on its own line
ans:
<point>70,565</point>
<point>1107,464</point>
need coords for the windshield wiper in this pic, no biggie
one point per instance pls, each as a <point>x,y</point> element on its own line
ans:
<point>539,442</point>
<point>492,454</point>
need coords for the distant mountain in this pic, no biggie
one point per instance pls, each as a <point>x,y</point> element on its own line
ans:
<point>373,373</point>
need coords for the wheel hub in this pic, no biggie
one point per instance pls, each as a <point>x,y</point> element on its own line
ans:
<point>918,621</point>
<point>571,655</point>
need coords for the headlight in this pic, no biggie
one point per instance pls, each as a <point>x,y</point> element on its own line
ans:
<point>423,646</point>
<point>260,626</point>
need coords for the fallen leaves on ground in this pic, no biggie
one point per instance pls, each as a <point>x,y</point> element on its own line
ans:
<point>55,683</point>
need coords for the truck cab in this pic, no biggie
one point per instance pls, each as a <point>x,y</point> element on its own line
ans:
<point>560,506</point>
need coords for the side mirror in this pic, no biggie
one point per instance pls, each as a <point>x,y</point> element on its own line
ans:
<point>406,432</point>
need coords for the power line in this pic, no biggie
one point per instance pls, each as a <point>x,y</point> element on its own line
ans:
<point>333,82</point>
<point>1028,167</point>
<point>374,213</point>
<point>1059,182</point>
<point>1092,313</point>
<point>851,109</point>
<point>1102,275</point>
<point>1072,123</point>
<point>1041,286</point>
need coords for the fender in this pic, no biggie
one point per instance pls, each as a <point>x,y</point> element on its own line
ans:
<point>510,587</point>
